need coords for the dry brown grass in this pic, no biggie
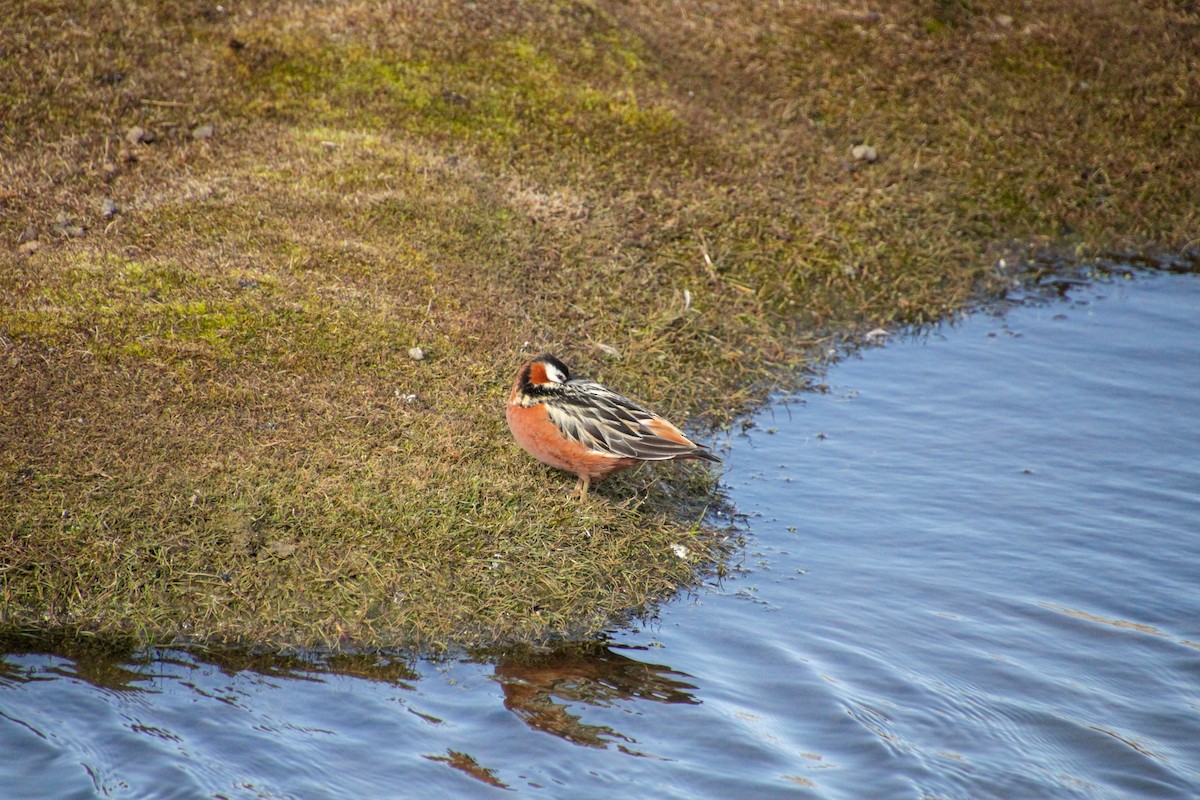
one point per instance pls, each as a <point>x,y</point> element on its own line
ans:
<point>209,423</point>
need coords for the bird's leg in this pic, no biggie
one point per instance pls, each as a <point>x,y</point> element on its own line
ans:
<point>581,488</point>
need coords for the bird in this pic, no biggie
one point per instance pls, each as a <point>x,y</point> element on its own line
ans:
<point>582,427</point>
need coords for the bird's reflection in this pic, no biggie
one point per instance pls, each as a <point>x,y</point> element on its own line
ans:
<point>541,687</point>
<point>548,689</point>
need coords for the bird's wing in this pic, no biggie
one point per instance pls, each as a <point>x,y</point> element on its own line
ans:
<point>607,422</point>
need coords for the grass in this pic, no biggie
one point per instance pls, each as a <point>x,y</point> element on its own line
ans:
<point>210,427</point>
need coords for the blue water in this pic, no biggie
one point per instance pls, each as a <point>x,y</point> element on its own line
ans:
<point>972,570</point>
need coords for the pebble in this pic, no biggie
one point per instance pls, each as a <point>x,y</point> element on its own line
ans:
<point>416,354</point>
<point>139,135</point>
<point>64,225</point>
<point>203,132</point>
<point>864,152</point>
<point>109,208</point>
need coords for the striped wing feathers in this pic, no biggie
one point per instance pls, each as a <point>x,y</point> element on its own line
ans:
<point>607,422</point>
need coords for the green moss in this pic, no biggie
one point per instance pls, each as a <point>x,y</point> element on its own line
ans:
<point>120,306</point>
<point>497,97</point>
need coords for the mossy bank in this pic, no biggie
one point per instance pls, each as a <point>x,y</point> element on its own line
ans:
<point>224,227</point>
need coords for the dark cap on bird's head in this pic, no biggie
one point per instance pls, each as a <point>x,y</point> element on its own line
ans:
<point>548,369</point>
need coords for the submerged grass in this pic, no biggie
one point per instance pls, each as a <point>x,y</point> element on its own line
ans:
<point>223,228</point>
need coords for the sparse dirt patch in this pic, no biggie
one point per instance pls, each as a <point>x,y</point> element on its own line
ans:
<point>223,227</point>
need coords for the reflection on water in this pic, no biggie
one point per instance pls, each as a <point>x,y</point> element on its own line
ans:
<point>591,674</point>
<point>547,689</point>
<point>969,573</point>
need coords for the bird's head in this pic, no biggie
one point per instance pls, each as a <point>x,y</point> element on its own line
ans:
<point>547,370</point>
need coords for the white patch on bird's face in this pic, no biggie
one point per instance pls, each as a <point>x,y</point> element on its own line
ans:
<point>553,373</point>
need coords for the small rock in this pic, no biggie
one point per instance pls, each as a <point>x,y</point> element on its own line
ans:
<point>416,354</point>
<point>864,152</point>
<point>139,135</point>
<point>201,132</point>
<point>64,225</point>
<point>1004,20</point>
<point>109,208</point>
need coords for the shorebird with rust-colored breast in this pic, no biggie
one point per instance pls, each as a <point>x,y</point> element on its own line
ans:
<point>587,429</point>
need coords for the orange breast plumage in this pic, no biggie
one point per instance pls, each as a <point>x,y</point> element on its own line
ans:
<point>588,429</point>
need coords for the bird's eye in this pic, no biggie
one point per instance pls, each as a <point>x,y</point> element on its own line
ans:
<point>554,374</point>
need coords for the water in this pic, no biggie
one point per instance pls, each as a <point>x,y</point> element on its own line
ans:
<point>972,571</point>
